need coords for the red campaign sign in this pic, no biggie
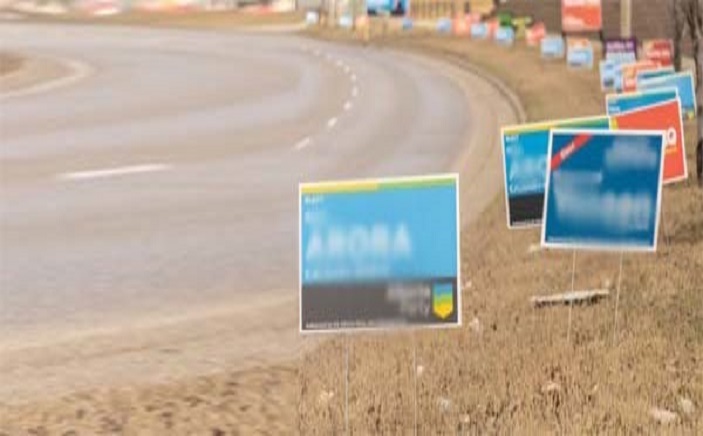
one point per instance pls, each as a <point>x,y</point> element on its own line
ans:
<point>581,15</point>
<point>629,74</point>
<point>659,51</point>
<point>493,25</point>
<point>535,34</point>
<point>662,117</point>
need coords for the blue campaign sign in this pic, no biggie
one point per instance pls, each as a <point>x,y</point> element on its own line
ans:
<point>610,75</point>
<point>603,190</point>
<point>505,36</point>
<point>479,31</point>
<point>444,25</point>
<point>346,21</point>
<point>652,74</point>
<point>619,103</point>
<point>580,57</point>
<point>379,253</point>
<point>525,166</point>
<point>683,82</point>
<point>552,47</point>
<point>393,7</point>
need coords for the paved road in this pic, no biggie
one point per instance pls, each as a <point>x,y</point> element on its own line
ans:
<point>164,181</point>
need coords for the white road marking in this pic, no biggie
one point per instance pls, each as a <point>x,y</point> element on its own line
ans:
<point>347,69</point>
<point>340,64</point>
<point>113,172</point>
<point>316,52</point>
<point>78,72</point>
<point>303,143</point>
<point>332,122</point>
<point>347,105</point>
<point>355,91</point>
<point>353,77</point>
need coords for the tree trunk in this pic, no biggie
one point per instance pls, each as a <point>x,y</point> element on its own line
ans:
<point>688,14</point>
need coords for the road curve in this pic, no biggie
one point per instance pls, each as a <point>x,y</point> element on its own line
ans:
<point>161,188</point>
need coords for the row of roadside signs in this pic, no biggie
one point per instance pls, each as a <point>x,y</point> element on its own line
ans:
<point>595,183</point>
<point>385,253</point>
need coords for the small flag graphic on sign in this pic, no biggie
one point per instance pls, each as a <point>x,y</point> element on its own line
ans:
<point>443,300</point>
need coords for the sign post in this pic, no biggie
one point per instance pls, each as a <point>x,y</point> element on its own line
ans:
<point>617,301</point>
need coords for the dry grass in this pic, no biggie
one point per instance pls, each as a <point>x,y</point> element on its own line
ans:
<point>520,373</point>
<point>195,20</point>
<point>9,63</point>
<point>517,375</point>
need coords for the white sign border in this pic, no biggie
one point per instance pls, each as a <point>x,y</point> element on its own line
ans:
<point>403,327</point>
<point>601,247</point>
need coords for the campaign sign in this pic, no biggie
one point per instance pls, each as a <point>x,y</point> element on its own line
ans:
<point>479,31</point>
<point>603,190</point>
<point>610,75</point>
<point>629,74</point>
<point>493,26</point>
<point>665,117</point>
<point>535,34</point>
<point>622,50</point>
<point>651,74</point>
<point>581,15</point>
<point>616,104</point>
<point>579,54</point>
<point>444,25</point>
<point>346,21</point>
<point>505,36</point>
<point>396,8</point>
<point>683,82</point>
<point>461,26</point>
<point>380,253</point>
<point>521,24</point>
<point>659,51</point>
<point>312,18</point>
<point>505,18</point>
<point>552,47</point>
<point>525,166</point>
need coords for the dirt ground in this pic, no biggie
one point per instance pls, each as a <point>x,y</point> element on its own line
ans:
<point>510,367</point>
<point>9,63</point>
<point>197,20</point>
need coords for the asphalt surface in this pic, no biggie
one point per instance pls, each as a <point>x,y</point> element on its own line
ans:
<point>163,180</point>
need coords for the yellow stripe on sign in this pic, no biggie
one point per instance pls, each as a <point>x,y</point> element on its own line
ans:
<point>340,187</point>
<point>547,125</point>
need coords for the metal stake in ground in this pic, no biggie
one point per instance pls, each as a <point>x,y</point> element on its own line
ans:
<point>346,385</point>
<point>571,303</point>
<point>665,228</point>
<point>617,302</point>
<point>415,376</point>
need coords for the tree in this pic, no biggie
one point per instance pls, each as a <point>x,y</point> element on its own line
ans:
<point>688,15</point>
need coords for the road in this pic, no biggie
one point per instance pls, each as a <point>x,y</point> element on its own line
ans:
<point>161,184</point>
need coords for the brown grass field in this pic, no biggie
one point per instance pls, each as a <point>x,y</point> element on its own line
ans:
<point>196,20</point>
<point>9,63</point>
<point>511,372</point>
